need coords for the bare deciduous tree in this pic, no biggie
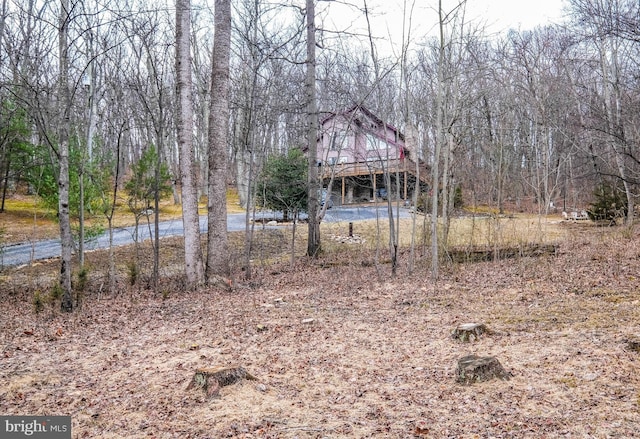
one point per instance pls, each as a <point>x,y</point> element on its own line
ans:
<point>217,246</point>
<point>64,108</point>
<point>194,267</point>
<point>313,243</point>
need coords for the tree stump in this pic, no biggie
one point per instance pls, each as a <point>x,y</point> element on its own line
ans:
<point>212,380</point>
<point>469,331</point>
<point>474,369</point>
<point>634,344</point>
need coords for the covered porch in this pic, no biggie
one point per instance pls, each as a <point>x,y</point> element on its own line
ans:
<point>361,182</point>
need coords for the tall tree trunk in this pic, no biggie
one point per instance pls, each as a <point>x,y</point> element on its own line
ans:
<point>435,172</point>
<point>63,157</point>
<point>193,261</point>
<point>111,212</point>
<point>217,246</point>
<point>411,131</point>
<point>87,154</point>
<point>313,244</point>
<point>3,16</point>
<point>393,230</point>
<point>156,225</point>
<point>447,201</point>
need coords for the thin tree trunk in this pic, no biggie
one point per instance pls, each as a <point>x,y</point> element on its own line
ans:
<point>193,261</point>
<point>156,227</point>
<point>5,178</point>
<point>411,137</point>
<point>87,155</point>
<point>393,230</point>
<point>217,253</point>
<point>313,243</point>
<point>81,216</point>
<point>63,157</point>
<point>3,16</point>
<point>112,209</point>
<point>447,201</point>
<point>248,237</point>
<point>435,172</point>
<point>292,259</point>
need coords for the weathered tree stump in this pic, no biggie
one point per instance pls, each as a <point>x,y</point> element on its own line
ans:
<point>474,369</point>
<point>212,380</point>
<point>634,344</point>
<point>469,331</point>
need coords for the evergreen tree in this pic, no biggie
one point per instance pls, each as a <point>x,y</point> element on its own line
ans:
<point>142,186</point>
<point>609,203</point>
<point>284,183</point>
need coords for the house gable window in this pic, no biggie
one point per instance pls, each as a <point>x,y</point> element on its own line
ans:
<point>338,140</point>
<point>373,143</point>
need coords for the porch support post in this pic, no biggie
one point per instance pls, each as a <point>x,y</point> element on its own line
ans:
<point>405,185</point>
<point>374,177</point>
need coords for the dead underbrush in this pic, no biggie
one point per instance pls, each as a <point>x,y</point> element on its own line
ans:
<point>344,350</point>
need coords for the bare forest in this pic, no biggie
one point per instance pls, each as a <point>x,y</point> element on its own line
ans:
<point>509,207</point>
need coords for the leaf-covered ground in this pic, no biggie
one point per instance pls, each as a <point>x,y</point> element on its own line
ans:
<point>345,351</point>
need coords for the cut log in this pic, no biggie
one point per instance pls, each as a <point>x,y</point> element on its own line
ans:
<point>469,331</point>
<point>474,369</point>
<point>480,254</point>
<point>211,380</point>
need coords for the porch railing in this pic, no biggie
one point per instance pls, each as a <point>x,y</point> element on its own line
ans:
<point>374,167</point>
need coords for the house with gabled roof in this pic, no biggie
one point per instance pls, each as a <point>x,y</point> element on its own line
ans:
<point>360,155</point>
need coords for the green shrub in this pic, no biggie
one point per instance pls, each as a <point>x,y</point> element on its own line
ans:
<point>38,302</point>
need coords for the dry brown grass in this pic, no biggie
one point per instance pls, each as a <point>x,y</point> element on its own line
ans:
<point>463,231</point>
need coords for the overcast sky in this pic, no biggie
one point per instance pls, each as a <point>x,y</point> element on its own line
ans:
<point>525,14</point>
<point>386,16</point>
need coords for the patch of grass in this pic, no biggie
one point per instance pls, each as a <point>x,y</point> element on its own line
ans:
<point>569,381</point>
<point>463,231</point>
<point>233,201</point>
<point>27,219</point>
<point>611,296</point>
<point>482,210</point>
<point>170,209</point>
<point>26,206</point>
